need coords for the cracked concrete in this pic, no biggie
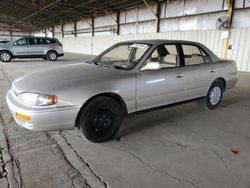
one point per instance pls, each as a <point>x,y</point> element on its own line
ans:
<point>180,147</point>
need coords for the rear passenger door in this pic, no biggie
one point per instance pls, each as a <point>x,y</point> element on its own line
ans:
<point>50,44</point>
<point>197,71</point>
<point>36,46</point>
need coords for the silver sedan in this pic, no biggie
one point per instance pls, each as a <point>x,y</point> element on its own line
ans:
<point>126,78</point>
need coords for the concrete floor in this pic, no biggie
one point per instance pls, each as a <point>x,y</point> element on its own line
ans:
<point>182,146</point>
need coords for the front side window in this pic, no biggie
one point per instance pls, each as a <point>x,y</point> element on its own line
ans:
<point>193,55</point>
<point>165,55</point>
<point>22,42</point>
<point>124,56</point>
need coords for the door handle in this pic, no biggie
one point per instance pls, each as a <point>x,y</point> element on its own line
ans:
<point>212,70</point>
<point>179,75</point>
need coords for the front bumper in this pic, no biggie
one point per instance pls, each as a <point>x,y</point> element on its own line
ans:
<point>42,118</point>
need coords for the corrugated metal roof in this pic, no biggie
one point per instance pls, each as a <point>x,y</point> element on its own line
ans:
<point>37,14</point>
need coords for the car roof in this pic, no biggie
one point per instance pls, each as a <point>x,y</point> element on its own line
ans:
<point>161,41</point>
<point>37,37</point>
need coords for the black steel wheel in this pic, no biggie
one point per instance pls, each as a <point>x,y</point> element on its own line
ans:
<point>101,119</point>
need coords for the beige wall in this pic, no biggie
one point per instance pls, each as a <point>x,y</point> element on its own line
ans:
<point>239,39</point>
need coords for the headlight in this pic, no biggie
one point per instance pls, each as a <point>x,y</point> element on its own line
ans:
<point>34,99</point>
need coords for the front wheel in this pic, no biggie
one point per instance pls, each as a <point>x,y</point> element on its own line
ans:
<point>52,56</point>
<point>5,56</point>
<point>214,95</point>
<point>101,119</point>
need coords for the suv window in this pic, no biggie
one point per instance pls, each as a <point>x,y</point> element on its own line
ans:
<point>193,55</point>
<point>166,55</point>
<point>22,42</point>
<point>40,41</point>
<point>49,41</point>
<point>32,41</point>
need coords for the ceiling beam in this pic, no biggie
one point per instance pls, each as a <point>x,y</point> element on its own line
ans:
<point>42,9</point>
<point>51,12</point>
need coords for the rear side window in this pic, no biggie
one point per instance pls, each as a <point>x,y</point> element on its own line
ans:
<point>49,41</point>
<point>40,41</point>
<point>193,55</point>
<point>206,57</point>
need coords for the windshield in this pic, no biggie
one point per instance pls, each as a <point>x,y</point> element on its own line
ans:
<point>123,56</point>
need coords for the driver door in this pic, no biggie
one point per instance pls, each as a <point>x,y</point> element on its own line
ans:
<point>20,47</point>
<point>165,85</point>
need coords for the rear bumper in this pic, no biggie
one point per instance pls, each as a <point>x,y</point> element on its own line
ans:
<point>42,119</point>
<point>60,55</point>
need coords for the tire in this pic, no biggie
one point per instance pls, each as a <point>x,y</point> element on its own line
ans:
<point>52,56</point>
<point>101,119</point>
<point>5,56</point>
<point>214,95</point>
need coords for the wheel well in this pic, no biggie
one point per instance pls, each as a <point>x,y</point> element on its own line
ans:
<point>114,96</point>
<point>223,81</point>
<point>7,51</point>
<point>52,51</point>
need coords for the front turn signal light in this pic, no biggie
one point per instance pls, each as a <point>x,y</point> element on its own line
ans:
<point>23,117</point>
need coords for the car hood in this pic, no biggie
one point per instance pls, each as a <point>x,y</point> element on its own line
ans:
<point>52,80</point>
<point>6,45</point>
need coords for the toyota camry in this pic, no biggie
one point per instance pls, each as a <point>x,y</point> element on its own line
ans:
<point>126,78</point>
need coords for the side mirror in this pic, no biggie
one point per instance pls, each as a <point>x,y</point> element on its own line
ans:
<point>15,43</point>
<point>151,65</point>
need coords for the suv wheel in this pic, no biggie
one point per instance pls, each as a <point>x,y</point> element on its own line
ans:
<point>101,119</point>
<point>5,56</point>
<point>52,56</point>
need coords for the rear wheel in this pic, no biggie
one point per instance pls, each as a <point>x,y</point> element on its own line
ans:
<point>214,95</point>
<point>5,56</point>
<point>52,56</point>
<point>101,119</point>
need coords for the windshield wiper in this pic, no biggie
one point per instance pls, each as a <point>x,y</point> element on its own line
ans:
<point>118,67</point>
<point>106,65</point>
<point>112,66</point>
<point>92,62</point>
